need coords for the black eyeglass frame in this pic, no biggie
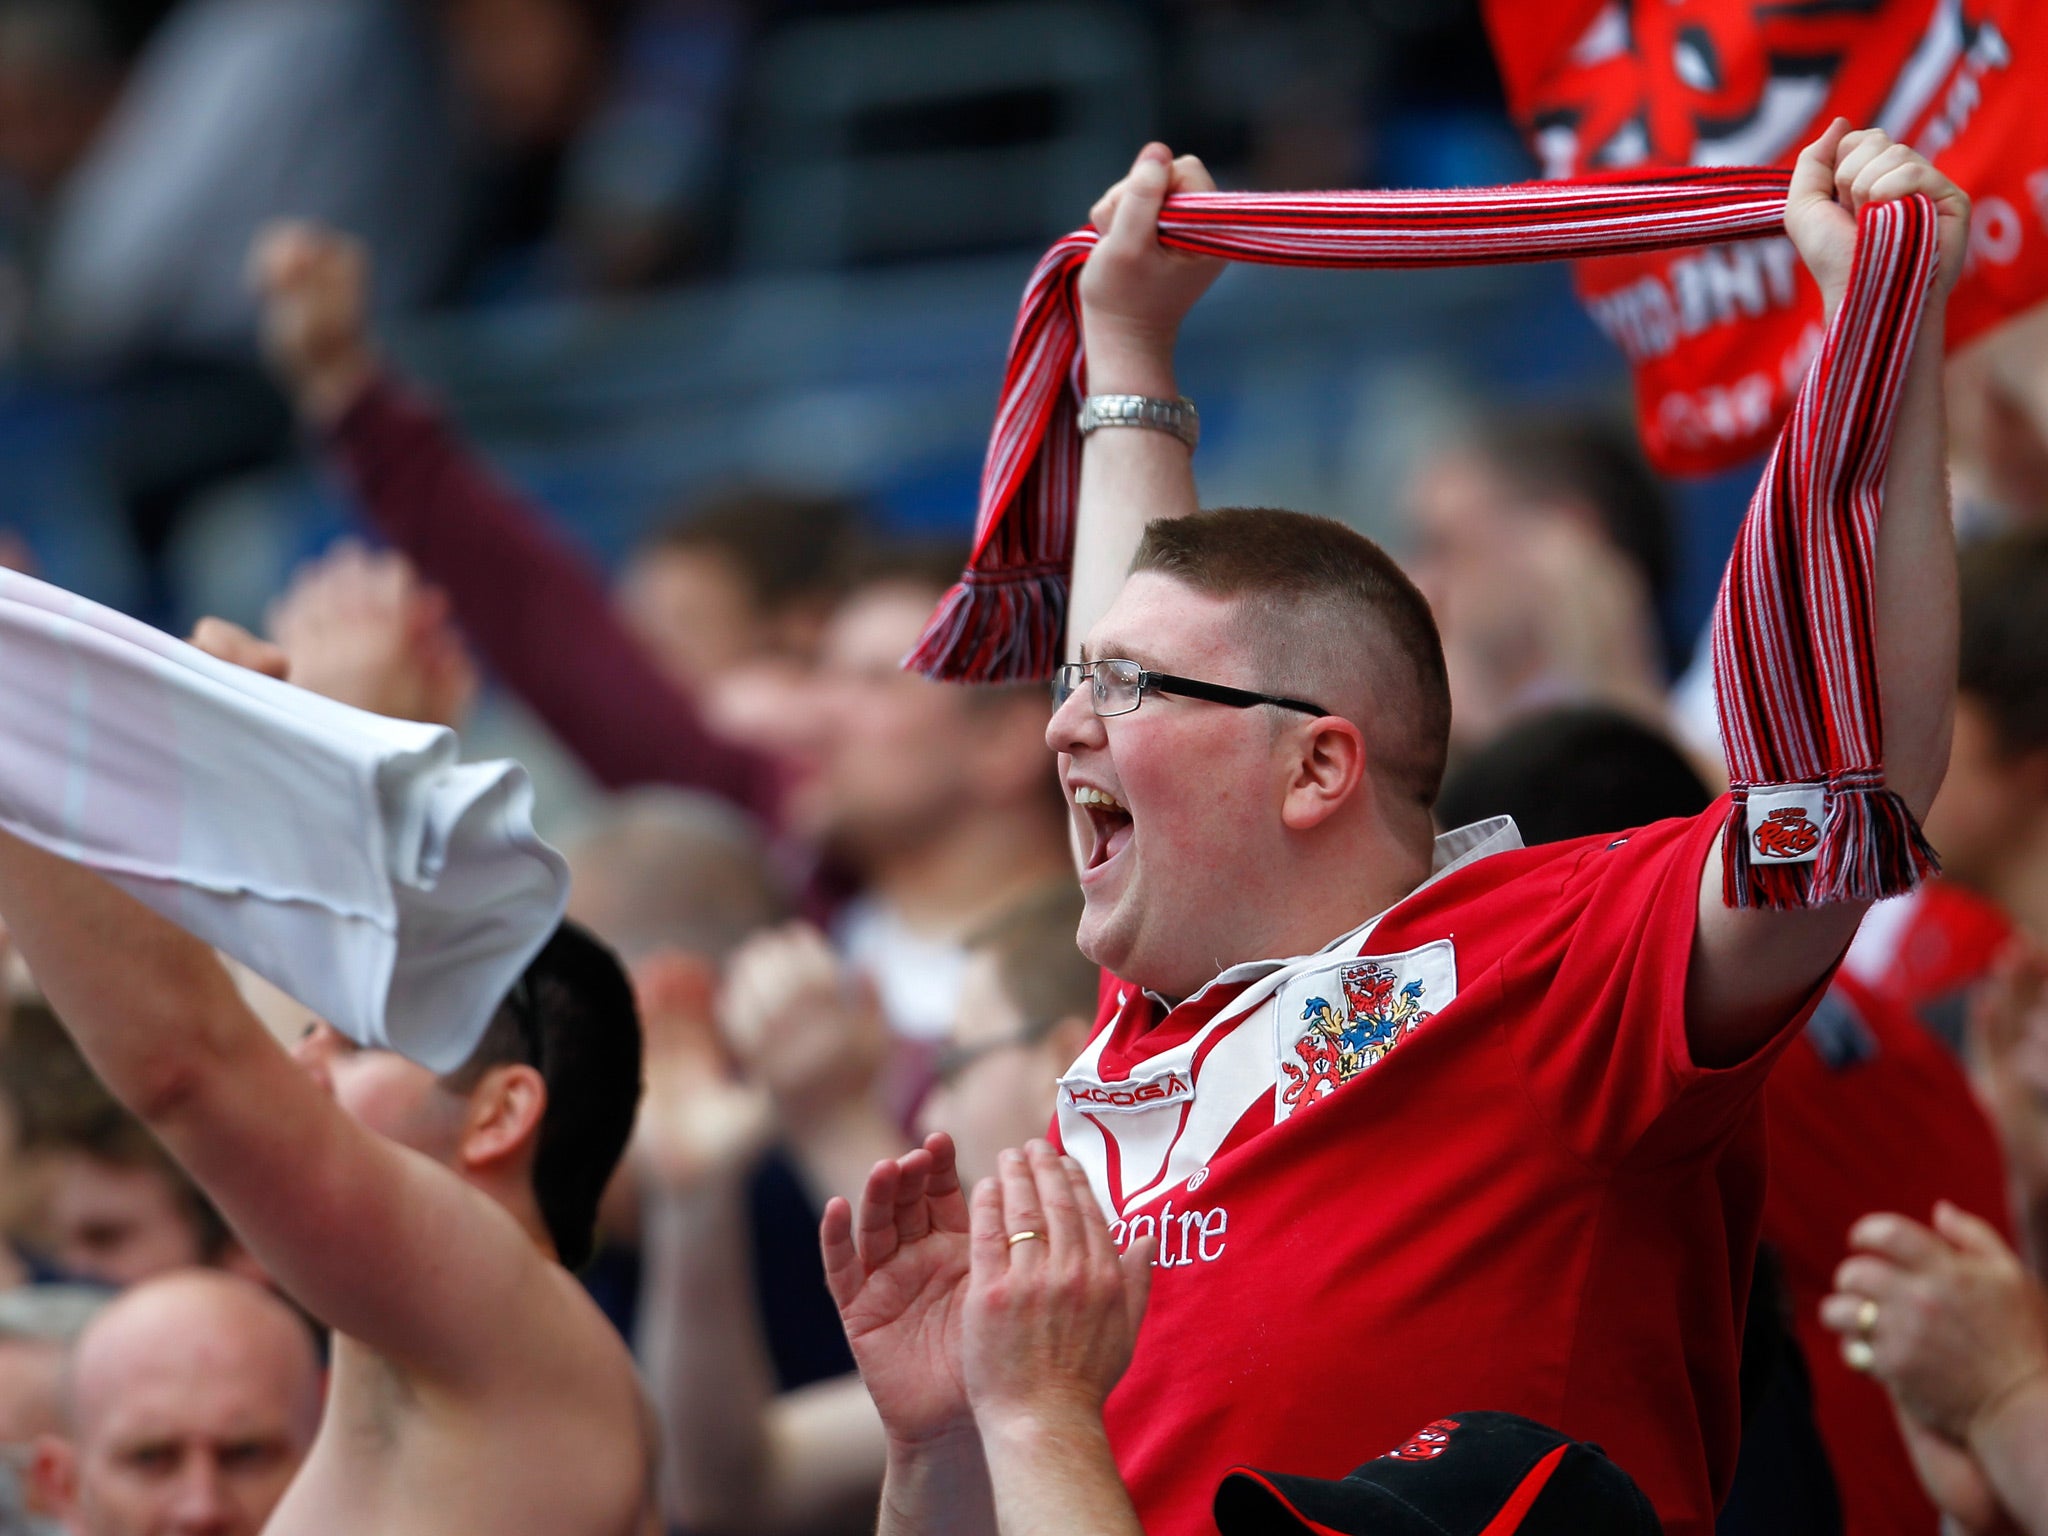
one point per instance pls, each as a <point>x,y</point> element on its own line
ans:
<point>1068,677</point>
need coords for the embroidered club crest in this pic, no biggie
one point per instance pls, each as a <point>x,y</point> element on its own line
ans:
<point>1787,834</point>
<point>1378,1013</point>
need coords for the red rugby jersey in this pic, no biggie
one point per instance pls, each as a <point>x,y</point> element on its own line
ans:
<point>1868,1112</point>
<point>1461,1159</point>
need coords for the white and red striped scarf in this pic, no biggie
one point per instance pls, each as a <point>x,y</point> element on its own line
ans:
<point>1794,645</point>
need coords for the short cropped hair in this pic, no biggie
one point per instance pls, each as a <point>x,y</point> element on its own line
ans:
<point>2003,660</point>
<point>1039,969</point>
<point>572,1019</point>
<point>1573,772</point>
<point>1324,606</point>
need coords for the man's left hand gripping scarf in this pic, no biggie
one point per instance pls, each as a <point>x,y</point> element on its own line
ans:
<point>1794,644</point>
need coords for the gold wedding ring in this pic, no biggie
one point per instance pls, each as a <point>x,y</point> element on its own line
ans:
<point>1859,1356</point>
<point>1026,1237</point>
<point>1866,1318</point>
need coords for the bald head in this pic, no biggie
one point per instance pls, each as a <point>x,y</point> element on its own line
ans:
<point>191,1398</point>
<point>668,869</point>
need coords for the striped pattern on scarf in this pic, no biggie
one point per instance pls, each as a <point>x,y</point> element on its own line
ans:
<point>1793,642</point>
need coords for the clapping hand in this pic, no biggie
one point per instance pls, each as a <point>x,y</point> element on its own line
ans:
<point>800,1024</point>
<point>899,1276</point>
<point>361,627</point>
<point>1052,1309</point>
<point>1946,1317</point>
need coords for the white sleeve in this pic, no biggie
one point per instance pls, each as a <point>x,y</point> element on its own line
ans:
<point>348,858</point>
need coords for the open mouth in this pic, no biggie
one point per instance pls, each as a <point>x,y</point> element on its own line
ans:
<point>1108,824</point>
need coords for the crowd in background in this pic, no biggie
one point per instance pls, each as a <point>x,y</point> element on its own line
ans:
<point>844,893</point>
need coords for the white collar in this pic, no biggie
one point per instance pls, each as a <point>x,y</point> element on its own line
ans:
<point>1457,849</point>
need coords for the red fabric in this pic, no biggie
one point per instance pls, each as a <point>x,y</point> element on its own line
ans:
<point>1003,622</point>
<point>1794,655</point>
<point>1537,1201</point>
<point>1794,634</point>
<point>534,606</point>
<point>1720,339</point>
<point>1870,1114</point>
<point>1946,946</point>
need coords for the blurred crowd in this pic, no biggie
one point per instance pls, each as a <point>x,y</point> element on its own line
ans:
<point>843,893</point>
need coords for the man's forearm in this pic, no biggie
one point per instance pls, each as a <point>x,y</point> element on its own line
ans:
<point>2011,1445</point>
<point>702,1354</point>
<point>1917,614</point>
<point>1057,1478</point>
<point>1129,476</point>
<point>938,1489</point>
<point>149,1005</point>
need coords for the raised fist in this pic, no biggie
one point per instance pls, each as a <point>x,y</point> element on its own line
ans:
<point>314,286</point>
<point>1134,291</point>
<point>1842,171</point>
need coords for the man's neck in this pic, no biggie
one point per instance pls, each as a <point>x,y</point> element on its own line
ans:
<point>948,884</point>
<point>1347,897</point>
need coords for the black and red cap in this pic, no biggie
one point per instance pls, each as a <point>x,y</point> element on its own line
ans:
<point>1467,1474</point>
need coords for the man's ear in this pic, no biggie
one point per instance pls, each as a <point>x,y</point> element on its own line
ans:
<point>53,1479</point>
<point>1325,773</point>
<point>505,1110</point>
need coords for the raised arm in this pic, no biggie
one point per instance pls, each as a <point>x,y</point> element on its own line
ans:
<point>529,601</point>
<point>1134,294</point>
<point>1753,967</point>
<point>373,1239</point>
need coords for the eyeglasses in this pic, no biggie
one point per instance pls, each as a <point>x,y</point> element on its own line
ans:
<point>1117,687</point>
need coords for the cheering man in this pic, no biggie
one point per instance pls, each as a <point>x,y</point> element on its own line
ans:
<point>426,1219</point>
<point>1490,1136</point>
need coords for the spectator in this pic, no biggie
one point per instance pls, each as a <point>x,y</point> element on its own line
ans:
<point>431,1218</point>
<point>1040,1316</point>
<point>938,801</point>
<point>110,1205</point>
<point>38,1324</point>
<point>1949,1320</point>
<point>191,1403</point>
<point>814,1457</point>
<point>1227,818</point>
<point>1867,1108</point>
<point>746,580</point>
<point>1544,547</point>
<point>1026,1000</point>
<point>1990,824</point>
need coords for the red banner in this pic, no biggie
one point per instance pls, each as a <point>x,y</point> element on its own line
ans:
<point>1720,337</point>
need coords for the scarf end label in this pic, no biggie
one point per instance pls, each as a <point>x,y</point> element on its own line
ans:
<point>1783,824</point>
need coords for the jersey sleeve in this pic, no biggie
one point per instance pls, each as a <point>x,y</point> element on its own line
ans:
<point>1596,996</point>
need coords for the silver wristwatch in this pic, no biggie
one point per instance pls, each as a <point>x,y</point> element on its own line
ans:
<point>1178,417</point>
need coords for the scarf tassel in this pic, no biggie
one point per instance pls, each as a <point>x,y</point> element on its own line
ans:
<point>1870,848</point>
<point>996,628</point>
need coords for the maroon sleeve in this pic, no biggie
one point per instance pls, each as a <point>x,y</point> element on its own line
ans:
<point>533,606</point>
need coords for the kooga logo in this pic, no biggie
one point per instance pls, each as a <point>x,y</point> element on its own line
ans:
<point>1122,1098</point>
